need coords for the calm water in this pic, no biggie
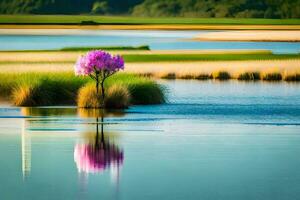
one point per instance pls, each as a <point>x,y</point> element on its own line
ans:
<point>212,140</point>
<point>155,39</point>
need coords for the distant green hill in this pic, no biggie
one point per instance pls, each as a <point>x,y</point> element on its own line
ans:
<point>158,8</point>
<point>67,6</point>
<point>220,8</point>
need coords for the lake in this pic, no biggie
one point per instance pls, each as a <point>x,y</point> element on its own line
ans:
<point>157,40</point>
<point>211,140</point>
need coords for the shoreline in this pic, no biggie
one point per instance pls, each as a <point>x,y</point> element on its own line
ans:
<point>151,27</point>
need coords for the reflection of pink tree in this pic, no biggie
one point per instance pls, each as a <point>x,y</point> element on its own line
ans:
<point>93,158</point>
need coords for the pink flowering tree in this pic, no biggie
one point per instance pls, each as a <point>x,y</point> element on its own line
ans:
<point>99,65</point>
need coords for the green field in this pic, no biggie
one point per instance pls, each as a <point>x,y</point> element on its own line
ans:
<point>106,48</point>
<point>127,20</point>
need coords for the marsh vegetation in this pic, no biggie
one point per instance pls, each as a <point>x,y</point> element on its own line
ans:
<point>36,89</point>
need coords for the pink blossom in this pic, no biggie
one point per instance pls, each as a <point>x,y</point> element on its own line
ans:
<point>97,61</point>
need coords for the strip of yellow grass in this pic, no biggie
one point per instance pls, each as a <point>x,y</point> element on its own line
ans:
<point>160,69</point>
<point>39,56</point>
<point>35,67</point>
<point>157,27</point>
<point>61,56</point>
<point>235,68</point>
<point>281,36</point>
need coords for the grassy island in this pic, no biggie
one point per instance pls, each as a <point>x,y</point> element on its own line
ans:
<point>61,88</point>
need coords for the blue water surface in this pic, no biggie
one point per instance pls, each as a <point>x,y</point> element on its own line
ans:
<point>157,40</point>
<point>211,140</point>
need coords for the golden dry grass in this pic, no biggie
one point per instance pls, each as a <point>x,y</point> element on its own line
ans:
<point>23,96</point>
<point>61,56</point>
<point>16,62</point>
<point>88,97</point>
<point>39,57</point>
<point>116,97</point>
<point>35,67</point>
<point>266,35</point>
<point>235,68</point>
<point>160,69</point>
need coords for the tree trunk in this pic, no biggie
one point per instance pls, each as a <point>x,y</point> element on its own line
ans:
<point>102,93</point>
<point>97,85</point>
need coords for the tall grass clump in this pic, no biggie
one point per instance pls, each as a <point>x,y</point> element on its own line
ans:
<point>46,89</point>
<point>147,74</point>
<point>88,97</point>
<point>272,77</point>
<point>117,97</point>
<point>222,75</point>
<point>7,81</point>
<point>142,90</point>
<point>249,76</point>
<point>33,89</point>
<point>169,76</point>
<point>203,77</point>
<point>32,94</point>
<point>294,77</point>
<point>186,76</point>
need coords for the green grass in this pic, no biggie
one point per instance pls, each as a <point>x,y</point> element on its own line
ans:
<point>127,20</point>
<point>85,48</point>
<point>107,48</point>
<point>183,57</point>
<point>206,57</point>
<point>142,89</point>
<point>36,89</point>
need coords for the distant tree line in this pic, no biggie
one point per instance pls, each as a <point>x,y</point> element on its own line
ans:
<point>220,8</point>
<point>67,6</point>
<point>158,8</point>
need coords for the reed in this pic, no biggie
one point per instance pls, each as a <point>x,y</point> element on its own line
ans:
<point>249,76</point>
<point>203,77</point>
<point>294,77</point>
<point>221,75</point>
<point>88,97</point>
<point>186,76</point>
<point>272,77</point>
<point>142,90</point>
<point>169,76</point>
<point>117,97</point>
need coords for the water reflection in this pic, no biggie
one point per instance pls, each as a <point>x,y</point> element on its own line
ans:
<point>26,151</point>
<point>94,155</point>
<point>98,155</point>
